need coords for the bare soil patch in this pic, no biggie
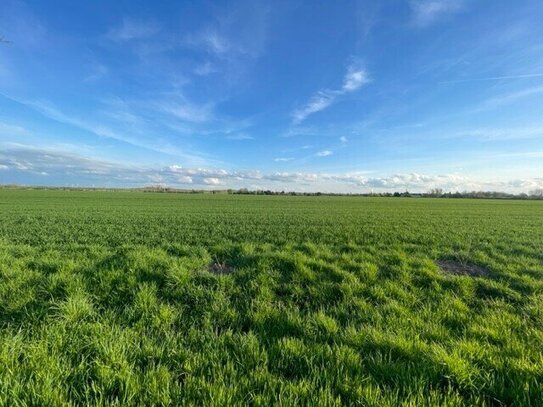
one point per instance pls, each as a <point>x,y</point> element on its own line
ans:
<point>221,267</point>
<point>462,268</point>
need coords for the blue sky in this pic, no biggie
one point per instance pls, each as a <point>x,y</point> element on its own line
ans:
<point>347,96</point>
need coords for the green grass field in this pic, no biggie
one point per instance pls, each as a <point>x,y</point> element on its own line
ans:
<point>129,298</point>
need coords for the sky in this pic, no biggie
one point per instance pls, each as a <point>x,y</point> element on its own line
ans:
<point>333,96</point>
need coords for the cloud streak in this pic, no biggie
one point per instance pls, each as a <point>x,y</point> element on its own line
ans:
<point>495,78</point>
<point>508,98</point>
<point>353,80</point>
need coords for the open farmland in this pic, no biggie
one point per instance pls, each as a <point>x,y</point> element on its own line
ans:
<point>130,298</point>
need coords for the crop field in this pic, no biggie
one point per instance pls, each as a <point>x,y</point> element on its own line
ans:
<point>132,298</point>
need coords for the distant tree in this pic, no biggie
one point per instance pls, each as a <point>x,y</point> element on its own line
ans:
<point>436,192</point>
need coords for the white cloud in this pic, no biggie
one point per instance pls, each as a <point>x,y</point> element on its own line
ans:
<point>353,80</point>
<point>292,177</point>
<point>426,12</point>
<point>84,171</point>
<point>131,29</point>
<point>324,153</point>
<point>184,179</point>
<point>240,136</point>
<point>318,102</point>
<point>212,181</point>
<point>343,139</point>
<point>282,159</point>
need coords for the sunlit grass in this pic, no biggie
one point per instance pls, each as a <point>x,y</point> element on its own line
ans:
<point>111,299</point>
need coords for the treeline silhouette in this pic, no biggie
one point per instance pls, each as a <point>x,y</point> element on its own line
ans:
<point>433,193</point>
<point>537,194</point>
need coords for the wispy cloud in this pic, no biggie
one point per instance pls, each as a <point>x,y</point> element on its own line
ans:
<point>495,78</point>
<point>239,137</point>
<point>132,29</point>
<point>186,110</point>
<point>230,44</point>
<point>136,136</point>
<point>211,41</point>
<point>283,159</point>
<point>343,140</point>
<point>507,98</point>
<point>426,12</point>
<point>496,134</point>
<point>318,102</point>
<point>324,153</point>
<point>353,80</point>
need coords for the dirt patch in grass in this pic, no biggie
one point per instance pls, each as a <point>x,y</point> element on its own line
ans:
<point>221,267</point>
<point>461,268</point>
